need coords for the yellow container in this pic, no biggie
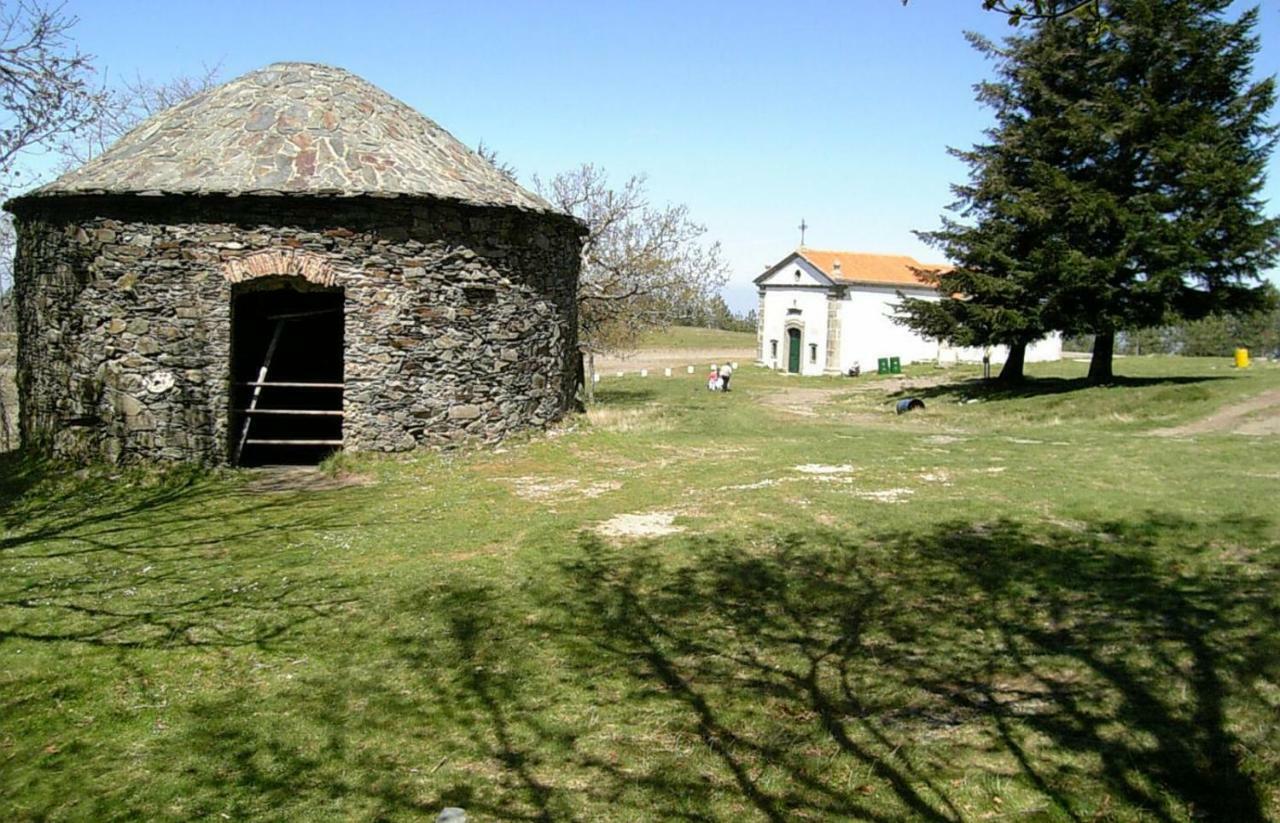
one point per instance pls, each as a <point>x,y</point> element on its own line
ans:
<point>1242,358</point>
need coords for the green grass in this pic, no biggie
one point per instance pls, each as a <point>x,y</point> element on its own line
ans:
<point>691,337</point>
<point>1024,607</point>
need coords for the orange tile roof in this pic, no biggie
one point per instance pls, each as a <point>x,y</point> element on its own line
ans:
<point>858,267</point>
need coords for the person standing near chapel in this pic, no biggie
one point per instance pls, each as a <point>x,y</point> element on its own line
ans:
<point>726,371</point>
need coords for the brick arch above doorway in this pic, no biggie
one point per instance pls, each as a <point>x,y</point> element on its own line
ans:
<point>276,262</point>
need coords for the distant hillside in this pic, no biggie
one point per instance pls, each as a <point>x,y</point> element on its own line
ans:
<point>690,337</point>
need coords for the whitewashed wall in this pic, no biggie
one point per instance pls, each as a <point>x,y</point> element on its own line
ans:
<point>812,306</point>
<point>798,292</point>
<point>868,332</point>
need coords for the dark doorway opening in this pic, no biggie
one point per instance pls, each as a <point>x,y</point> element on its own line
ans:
<point>286,372</point>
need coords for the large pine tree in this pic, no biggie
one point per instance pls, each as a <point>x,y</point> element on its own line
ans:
<point>996,293</point>
<point>1124,169</point>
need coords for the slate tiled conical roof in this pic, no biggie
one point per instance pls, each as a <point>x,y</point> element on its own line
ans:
<point>294,128</point>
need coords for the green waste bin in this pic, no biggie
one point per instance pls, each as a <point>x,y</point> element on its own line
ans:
<point>882,365</point>
<point>895,366</point>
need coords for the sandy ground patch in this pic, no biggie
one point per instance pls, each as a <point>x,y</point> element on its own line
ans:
<point>886,495</point>
<point>1256,416</point>
<point>801,402</point>
<point>543,488</point>
<point>818,468</point>
<point>649,524</point>
<point>742,487</point>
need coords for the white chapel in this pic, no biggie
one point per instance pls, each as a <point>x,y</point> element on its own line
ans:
<point>822,312</point>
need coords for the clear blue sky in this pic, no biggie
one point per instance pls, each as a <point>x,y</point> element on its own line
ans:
<point>754,114</point>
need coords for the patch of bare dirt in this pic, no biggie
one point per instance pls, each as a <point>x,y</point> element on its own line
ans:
<point>819,468</point>
<point>892,385</point>
<point>803,401</point>
<point>1256,416</point>
<point>542,488</point>
<point>800,402</point>
<point>648,524</point>
<point>886,495</point>
<point>303,478</point>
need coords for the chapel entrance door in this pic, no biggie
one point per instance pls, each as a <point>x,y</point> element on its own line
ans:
<point>793,351</point>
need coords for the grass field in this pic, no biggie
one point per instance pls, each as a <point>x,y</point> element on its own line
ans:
<point>691,337</point>
<point>781,603</point>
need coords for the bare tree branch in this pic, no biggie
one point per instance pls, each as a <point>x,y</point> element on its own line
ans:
<point>47,89</point>
<point>47,93</point>
<point>128,105</point>
<point>642,266</point>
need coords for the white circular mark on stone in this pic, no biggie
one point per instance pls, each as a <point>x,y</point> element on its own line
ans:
<point>160,382</point>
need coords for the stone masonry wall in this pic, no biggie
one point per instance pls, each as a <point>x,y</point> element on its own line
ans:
<point>460,322</point>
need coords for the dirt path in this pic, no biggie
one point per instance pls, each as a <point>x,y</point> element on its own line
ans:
<point>1256,416</point>
<point>801,402</point>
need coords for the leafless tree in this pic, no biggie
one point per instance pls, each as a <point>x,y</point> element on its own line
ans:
<point>48,91</point>
<point>128,104</point>
<point>47,86</point>
<point>642,266</point>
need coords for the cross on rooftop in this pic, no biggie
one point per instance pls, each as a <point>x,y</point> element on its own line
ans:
<point>803,226</point>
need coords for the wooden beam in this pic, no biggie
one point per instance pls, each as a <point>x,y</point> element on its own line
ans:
<point>299,314</point>
<point>323,412</point>
<point>293,442</point>
<point>279,384</point>
<point>257,391</point>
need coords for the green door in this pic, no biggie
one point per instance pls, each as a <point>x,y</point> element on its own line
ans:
<point>793,351</point>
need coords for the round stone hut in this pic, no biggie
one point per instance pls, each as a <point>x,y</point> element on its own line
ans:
<point>291,263</point>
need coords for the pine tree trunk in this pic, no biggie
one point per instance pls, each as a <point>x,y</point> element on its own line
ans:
<point>1012,369</point>
<point>1100,364</point>
<point>589,377</point>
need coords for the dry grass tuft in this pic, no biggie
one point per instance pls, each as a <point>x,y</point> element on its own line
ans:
<point>629,420</point>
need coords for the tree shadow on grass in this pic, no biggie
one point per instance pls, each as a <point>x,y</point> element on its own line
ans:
<point>1039,386</point>
<point>153,559</point>
<point>1105,670</point>
<point>1056,648</point>
<point>1118,670</point>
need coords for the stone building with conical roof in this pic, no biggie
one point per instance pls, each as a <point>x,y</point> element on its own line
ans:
<point>288,264</point>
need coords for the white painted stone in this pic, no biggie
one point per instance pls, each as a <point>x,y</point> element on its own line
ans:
<point>159,382</point>
<point>666,372</point>
<point>644,372</point>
